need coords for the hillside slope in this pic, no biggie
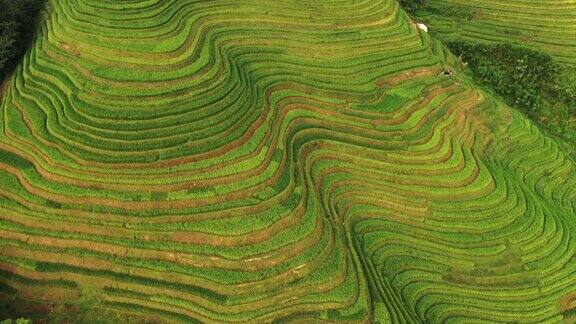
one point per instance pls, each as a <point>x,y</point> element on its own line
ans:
<point>273,160</point>
<point>546,25</point>
<point>522,51</point>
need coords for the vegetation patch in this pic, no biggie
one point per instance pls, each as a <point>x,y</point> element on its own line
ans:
<point>454,11</point>
<point>270,161</point>
<point>18,19</point>
<point>412,6</point>
<point>528,80</point>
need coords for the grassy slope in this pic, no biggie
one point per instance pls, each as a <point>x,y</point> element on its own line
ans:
<point>268,160</point>
<point>544,26</point>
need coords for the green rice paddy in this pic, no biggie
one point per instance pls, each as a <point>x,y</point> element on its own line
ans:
<point>257,161</point>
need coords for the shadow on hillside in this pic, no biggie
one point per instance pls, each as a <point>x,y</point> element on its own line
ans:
<point>19,21</point>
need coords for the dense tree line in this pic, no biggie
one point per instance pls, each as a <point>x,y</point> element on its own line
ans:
<point>17,25</point>
<point>518,74</point>
<point>411,6</point>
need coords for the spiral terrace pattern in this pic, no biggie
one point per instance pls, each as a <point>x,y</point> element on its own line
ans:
<point>273,160</point>
<point>548,25</point>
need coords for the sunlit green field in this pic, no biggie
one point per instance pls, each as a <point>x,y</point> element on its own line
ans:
<point>256,161</point>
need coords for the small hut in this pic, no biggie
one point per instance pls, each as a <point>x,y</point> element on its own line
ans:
<point>422,27</point>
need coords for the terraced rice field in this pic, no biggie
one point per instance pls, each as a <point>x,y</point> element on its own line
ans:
<point>274,160</point>
<point>547,25</point>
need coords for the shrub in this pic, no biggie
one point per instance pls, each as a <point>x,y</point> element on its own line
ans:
<point>518,74</point>
<point>412,6</point>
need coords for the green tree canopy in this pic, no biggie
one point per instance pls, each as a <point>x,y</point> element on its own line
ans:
<point>17,24</point>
